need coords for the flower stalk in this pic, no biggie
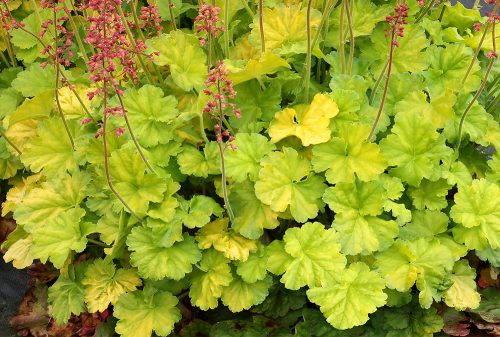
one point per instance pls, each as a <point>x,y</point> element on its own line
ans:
<point>396,23</point>
<point>351,36</point>
<point>261,26</point>
<point>489,23</point>
<point>307,77</point>
<point>492,56</point>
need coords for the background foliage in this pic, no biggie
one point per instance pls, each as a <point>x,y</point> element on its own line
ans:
<point>334,232</point>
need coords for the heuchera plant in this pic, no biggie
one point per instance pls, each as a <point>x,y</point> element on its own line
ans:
<point>324,168</point>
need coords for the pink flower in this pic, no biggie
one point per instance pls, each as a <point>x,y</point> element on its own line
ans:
<point>220,89</point>
<point>492,55</point>
<point>207,23</point>
<point>119,131</point>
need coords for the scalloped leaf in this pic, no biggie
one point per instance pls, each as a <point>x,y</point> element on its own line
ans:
<point>348,298</point>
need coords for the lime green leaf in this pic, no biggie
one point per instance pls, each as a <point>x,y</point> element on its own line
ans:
<point>459,16</point>
<point>493,174</point>
<point>430,194</point>
<point>41,204</point>
<point>315,256</point>
<point>27,39</point>
<point>192,162</point>
<point>19,189</point>
<point>364,234</point>
<point>232,245</point>
<point>9,164</point>
<point>10,99</point>
<point>365,16</point>
<point>473,211</point>
<point>349,297</point>
<point>309,123</point>
<point>349,155</point>
<point>281,185</point>
<point>38,107</point>
<point>151,115</point>
<point>70,105</point>
<point>19,252</point>
<point>208,281</point>
<point>155,261</point>
<point>475,125</point>
<point>244,161</point>
<point>490,255</point>
<point>426,263</point>
<point>134,185</point>
<point>424,224</point>
<point>284,30</point>
<point>240,295</point>
<point>51,149</point>
<point>59,237</point>
<point>463,293</point>
<point>258,104</point>
<point>104,284</point>
<point>255,268</point>
<point>187,61</point>
<point>167,232</point>
<point>66,296</point>
<point>409,56</point>
<point>268,63</point>
<point>363,198</point>
<point>448,67</point>
<point>143,311</point>
<point>34,80</point>
<point>414,147</point>
<point>252,216</point>
<point>439,111</point>
<point>278,260</point>
<point>199,210</point>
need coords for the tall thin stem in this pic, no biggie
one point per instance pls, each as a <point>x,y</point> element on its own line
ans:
<point>143,38</point>
<point>351,37</point>
<point>57,77</point>
<point>478,48</point>
<point>483,83</point>
<point>424,11</point>
<point>222,162</point>
<point>341,38</point>
<point>132,135</point>
<point>79,41</point>
<point>377,82</point>
<point>324,18</point>
<point>61,73</point>
<point>469,106</point>
<point>382,102</point>
<point>134,45</point>
<point>172,16</point>
<point>226,28</point>
<point>106,162</point>
<point>10,50</point>
<point>261,26</point>
<point>247,8</point>
<point>308,52</point>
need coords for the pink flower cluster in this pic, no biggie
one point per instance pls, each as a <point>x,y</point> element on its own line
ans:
<point>108,36</point>
<point>220,89</point>
<point>6,20</point>
<point>397,23</point>
<point>207,22</point>
<point>62,53</point>
<point>150,19</point>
